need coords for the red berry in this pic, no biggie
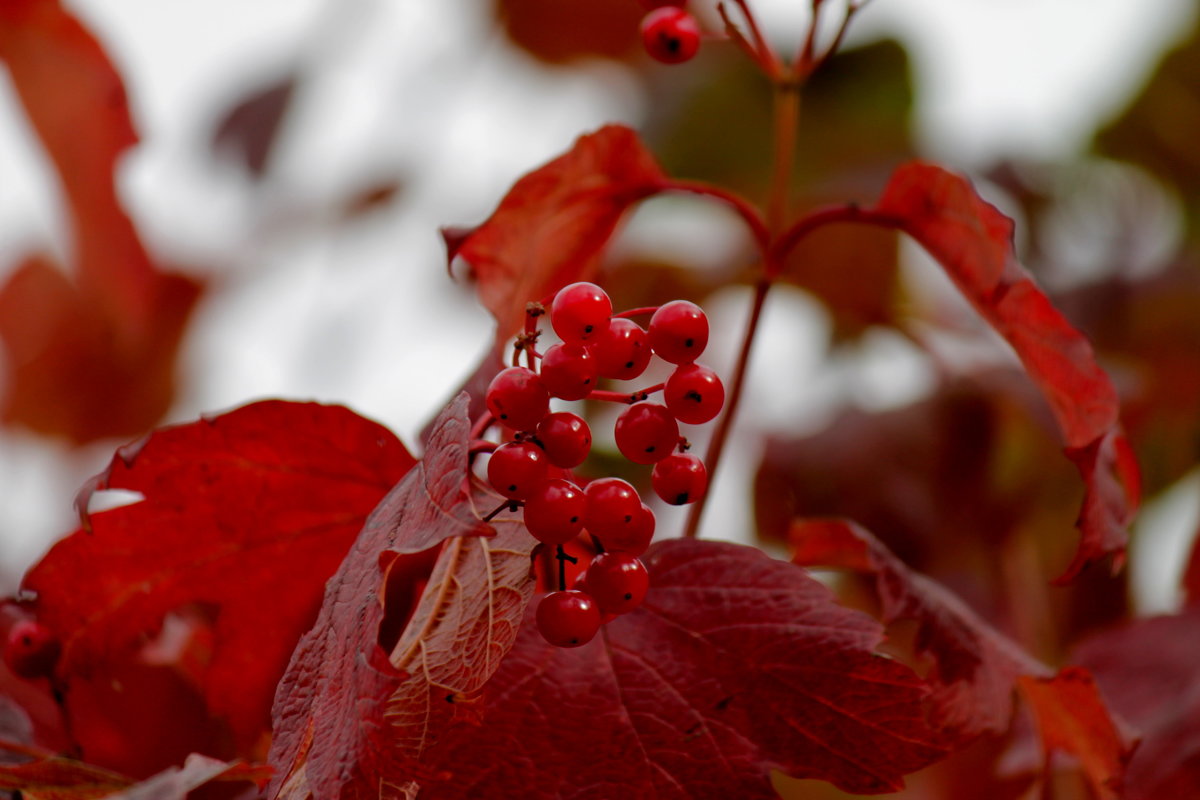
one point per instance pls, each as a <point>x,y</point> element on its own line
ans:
<point>694,394</point>
<point>568,619</point>
<point>680,478</point>
<point>516,469</point>
<point>555,510</point>
<point>518,398</point>
<point>569,371</point>
<point>580,312</point>
<point>679,332</point>
<point>623,351</point>
<point>566,438</point>
<point>613,507</point>
<point>617,581</point>
<point>646,433</point>
<point>633,538</point>
<point>670,35</point>
<point>31,650</point>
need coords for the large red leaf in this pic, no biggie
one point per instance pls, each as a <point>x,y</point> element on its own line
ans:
<point>244,517</point>
<point>736,665</point>
<point>359,708</point>
<point>112,328</point>
<point>974,669</point>
<point>551,227</point>
<point>973,243</point>
<point>1148,672</point>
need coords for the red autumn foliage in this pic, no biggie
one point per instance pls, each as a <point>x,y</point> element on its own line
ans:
<point>292,600</point>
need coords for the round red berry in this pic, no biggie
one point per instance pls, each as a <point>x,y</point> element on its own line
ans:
<point>517,468</point>
<point>568,619</point>
<point>646,433</point>
<point>580,312</point>
<point>31,650</point>
<point>680,478</point>
<point>623,351</point>
<point>555,510</point>
<point>569,371</point>
<point>566,438</point>
<point>694,394</point>
<point>633,538</point>
<point>517,397</point>
<point>617,581</point>
<point>613,506</point>
<point>679,332</point>
<point>670,35</point>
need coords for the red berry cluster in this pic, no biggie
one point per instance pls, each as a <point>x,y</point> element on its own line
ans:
<point>596,344</point>
<point>669,33</point>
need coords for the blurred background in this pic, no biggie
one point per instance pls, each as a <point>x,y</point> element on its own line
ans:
<point>296,158</point>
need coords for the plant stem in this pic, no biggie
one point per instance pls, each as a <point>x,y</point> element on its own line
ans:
<point>716,445</point>
<point>786,121</point>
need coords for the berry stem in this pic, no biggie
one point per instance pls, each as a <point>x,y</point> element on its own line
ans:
<point>511,505</point>
<point>744,208</point>
<point>563,558</point>
<point>787,120</point>
<point>716,445</point>
<point>818,219</point>
<point>485,421</point>
<point>628,398</point>
<point>636,312</point>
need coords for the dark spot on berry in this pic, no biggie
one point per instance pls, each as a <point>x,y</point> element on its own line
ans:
<point>512,487</point>
<point>450,698</point>
<point>574,520</point>
<point>680,499</point>
<point>694,395</point>
<point>504,416</point>
<point>629,518</point>
<point>588,328</point>
<point>628,365</point>
<point>629,595</point>
<point>651,448</point>
<point>689,342</point>
<point>723,704</point>
<point>586,381</point>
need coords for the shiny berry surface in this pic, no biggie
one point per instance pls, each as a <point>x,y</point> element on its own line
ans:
<point>568,619</point>
<point>566,438</point>
<point>670,35</point>
<point>679,332</point>
<point>31,650</point>
<point>517,398</point>
<point>623,351</point>
<point>580,312</point>
<point>617,581</point>
<point>694,394</point>
<point>555,510</point>
<point>646,433</point>
<point>680,478</point>
<point>516,469</point>
<point>633,538</point>
<point>613,507</point>
<point>569,371</point>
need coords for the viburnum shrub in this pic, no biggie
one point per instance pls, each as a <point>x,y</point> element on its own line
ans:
<point>296,601</point>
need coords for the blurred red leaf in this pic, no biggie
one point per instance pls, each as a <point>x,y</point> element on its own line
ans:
<point>244,517</point>
<point>58,778</point>
<point>1148,671</point>
<point>1072,718</point>
<point>551,227</point>
<point>973,243</point>
<point>975,667</point>
<point>351,717</point>
<point>562,30</point>
<point>111,330</point>
<point>736,664</point>
<point>1191,574</point>
<point>250,128</point>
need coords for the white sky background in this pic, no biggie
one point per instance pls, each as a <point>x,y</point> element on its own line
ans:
<point>365,315</point>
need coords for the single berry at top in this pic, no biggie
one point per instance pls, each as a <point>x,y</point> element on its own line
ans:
<point>518,398</point>
<point>568,619</point>
<point>569,371</point>
<point>646,433</point>
<point>679,332</point>
<point>694,394</point>
<point>580,312</point>
<point>566,438</point>
<point>517,468</point>
<point>623,351</point>
<point>670,35</point>
<point>31,650</point>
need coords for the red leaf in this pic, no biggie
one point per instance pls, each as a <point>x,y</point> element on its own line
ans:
<point>351,717</point>
<point>973,243</point>
<point>58,778</point>
<point>564,30</point>
<point>735,665</point>
<point>551,227</point>
<point>244,518</point>
<point>974,669</point>
<point>1148,671</point>
<point>1072,717</point>
<point>177,783</point>
<point>112,331</point>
